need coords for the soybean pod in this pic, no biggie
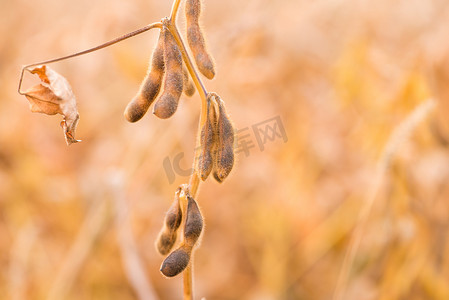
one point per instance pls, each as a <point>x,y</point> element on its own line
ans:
<point>207,142</point>
<point>167,236</point>
<point>150,87</point>
<point>189,87</point>
<point>178,260</point>
<point>224,156</point>
<point>195,39</point>
<point>167,104</point>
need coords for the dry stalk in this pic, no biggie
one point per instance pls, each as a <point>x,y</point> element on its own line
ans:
<point>132,262</point>
<point>399,136</point>
<point>91,230</point>
<point>20,253</point>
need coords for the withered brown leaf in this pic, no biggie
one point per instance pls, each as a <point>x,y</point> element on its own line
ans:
<point>54,96</point>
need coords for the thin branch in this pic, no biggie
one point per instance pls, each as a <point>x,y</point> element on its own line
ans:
<point>107,44</point>
<point>187,273</point>
<point>399,135</point>
<point>132,262</point>
<point>20,81</point>
<point>20,256</point>
<point>92,228</point>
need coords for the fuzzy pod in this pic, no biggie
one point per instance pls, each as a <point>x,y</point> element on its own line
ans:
<point>224,160</point>
<point>167,104</point>
<point>173,217</point>
<point>195,39</point>
<point>207,142</point>
<point>167,236</point>
<point>193,10</point>
<point>150,87</point>
<point>189,87</point>
<point>194,223</point>
<point>176,262</point>
<point>165,241</point>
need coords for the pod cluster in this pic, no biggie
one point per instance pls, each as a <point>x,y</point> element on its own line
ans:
<point>216,141</point>
<point>178,259</point>
<point>167,236</point>
<point>166,80</point>
<point>167,69</point>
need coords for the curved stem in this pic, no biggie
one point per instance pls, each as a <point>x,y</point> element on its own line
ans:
<point>107,44</point>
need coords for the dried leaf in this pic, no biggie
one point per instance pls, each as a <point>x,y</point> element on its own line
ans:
<point>54,96</point>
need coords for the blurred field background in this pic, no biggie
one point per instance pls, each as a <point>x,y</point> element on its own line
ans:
<point>341,75</point>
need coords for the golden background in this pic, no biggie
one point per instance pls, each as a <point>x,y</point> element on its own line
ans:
<point>352,82</point>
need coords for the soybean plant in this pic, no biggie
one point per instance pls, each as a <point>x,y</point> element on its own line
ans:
<point>170,73</point>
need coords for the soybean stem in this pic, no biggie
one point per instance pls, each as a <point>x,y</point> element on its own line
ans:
<point>107,44</point>
<point>194,180</point>
<point>174,10</point>
<point>187,279</point>
<point>194,183</point>
<point>187,274</point>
